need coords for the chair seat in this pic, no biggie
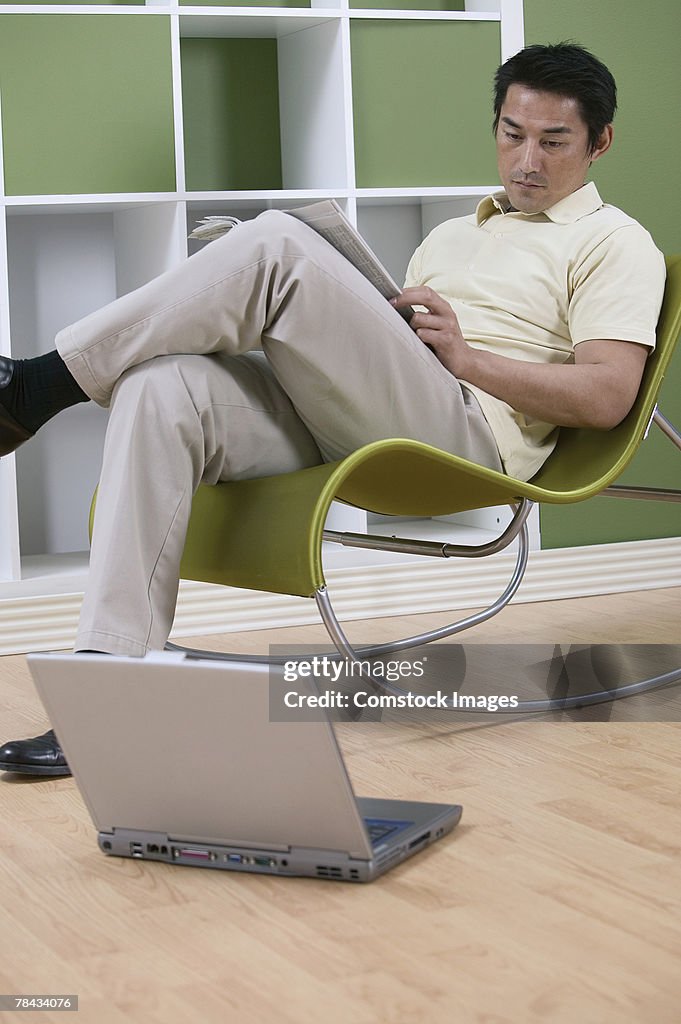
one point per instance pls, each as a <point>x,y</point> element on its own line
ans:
<point>266,534</point>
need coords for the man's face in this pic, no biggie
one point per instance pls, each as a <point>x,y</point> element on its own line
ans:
<point>542,148</point>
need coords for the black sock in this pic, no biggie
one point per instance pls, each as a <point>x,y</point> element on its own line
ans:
<point>39,388</point>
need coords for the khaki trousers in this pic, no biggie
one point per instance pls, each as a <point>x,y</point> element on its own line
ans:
<point>264,353</point>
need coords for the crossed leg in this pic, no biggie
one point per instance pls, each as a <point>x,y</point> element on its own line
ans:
<point>193,400</point>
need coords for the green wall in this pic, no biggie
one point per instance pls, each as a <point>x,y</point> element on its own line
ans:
<point>640,44</point>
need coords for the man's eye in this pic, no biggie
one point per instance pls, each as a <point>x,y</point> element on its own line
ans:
<point>512,136</point>
<point>552,144</point>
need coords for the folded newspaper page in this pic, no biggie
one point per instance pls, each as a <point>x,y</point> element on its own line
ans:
<point>328,220</point>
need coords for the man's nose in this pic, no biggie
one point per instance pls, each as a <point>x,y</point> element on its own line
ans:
<point>530,157</point>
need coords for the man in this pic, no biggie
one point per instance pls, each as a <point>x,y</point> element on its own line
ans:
<point>535,313</point>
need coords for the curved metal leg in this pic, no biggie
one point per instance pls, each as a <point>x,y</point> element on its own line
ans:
<point>381,685</point>
<point>517,527</point>
<point>456,627</point>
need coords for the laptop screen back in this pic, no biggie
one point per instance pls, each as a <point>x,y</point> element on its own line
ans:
<point>168,744</point>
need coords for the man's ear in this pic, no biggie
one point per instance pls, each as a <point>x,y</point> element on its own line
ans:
<point>604,143</point>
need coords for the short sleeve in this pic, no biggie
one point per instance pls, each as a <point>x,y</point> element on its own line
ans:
<point>617,289</point>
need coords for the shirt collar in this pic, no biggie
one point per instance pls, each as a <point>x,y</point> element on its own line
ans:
<point>578,204</point>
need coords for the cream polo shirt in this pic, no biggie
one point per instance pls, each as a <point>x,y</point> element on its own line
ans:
<point>532,286</point>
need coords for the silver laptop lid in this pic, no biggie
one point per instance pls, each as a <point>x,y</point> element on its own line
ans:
<point>168,744</point>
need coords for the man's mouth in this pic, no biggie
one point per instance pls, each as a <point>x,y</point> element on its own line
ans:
<point>527,184</point>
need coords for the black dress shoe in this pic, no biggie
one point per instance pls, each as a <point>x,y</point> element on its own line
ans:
<point>12,434</point>
<point>41,755</point>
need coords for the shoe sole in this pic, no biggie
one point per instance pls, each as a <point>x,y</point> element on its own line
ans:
<point>26,769</point>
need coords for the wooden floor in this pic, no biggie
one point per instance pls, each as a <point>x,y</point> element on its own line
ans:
<point>558,898</point>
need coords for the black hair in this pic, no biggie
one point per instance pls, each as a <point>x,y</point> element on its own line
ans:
<point>566,69</point>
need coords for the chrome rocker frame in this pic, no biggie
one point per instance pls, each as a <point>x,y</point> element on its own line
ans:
<point>517,528</point>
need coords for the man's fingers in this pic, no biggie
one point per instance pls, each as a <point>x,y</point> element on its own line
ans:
<point>421,296</point>
<point>431,321</point>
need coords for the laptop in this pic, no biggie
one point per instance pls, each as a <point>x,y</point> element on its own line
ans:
<point>178,760</point>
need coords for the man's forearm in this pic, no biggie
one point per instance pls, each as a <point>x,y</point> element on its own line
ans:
<point>596,390</point>
<point>569,395</point>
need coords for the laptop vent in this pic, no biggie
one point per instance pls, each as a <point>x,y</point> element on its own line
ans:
<point>324,871</point>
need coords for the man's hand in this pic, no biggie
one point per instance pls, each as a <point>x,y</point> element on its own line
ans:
<point>597,390</point>
<point>437,327</point>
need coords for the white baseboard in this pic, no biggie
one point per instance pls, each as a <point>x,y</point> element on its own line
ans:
<point>39,623</point>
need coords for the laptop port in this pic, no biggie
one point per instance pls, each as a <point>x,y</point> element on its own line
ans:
<point>194,854</point>
<point>419,839</point>
<point>234,858</point>
<point>264,862</point>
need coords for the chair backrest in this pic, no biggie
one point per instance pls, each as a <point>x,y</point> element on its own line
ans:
<point>589,460</point>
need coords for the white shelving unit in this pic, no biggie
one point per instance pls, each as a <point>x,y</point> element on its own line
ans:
<point>62,256</point>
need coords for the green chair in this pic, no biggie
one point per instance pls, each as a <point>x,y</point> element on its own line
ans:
<point>267,534</point>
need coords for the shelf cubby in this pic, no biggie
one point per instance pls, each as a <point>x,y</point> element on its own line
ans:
<point>230,92</point>
<point>62,266</point>
<point>91,111</point>
<point>265,111</point>
<point>438,133</point>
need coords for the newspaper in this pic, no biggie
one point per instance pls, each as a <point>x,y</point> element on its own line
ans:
<point>328,220</point>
